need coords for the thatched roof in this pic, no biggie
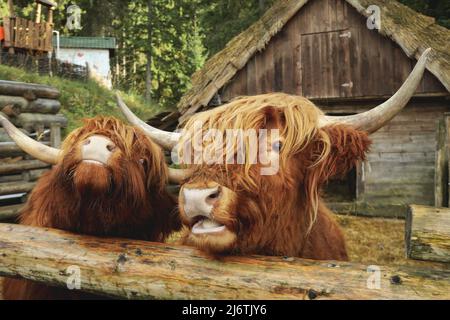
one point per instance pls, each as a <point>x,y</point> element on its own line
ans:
<point>412,31</point>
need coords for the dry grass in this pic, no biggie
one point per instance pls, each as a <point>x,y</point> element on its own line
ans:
<point>378,241</point>
<point>371,241</point>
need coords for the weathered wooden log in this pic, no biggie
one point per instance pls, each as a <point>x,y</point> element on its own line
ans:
<point>16,187</point>
<point>55,135</point>
<point>9,213</point>
<point>19,102</point>
<point>12,88</point>
<point>441,172</point>
<point>29,121</point>
<point>144,270</point>
<point>427,233</point>
<point>19,166</point>
<point>10,149</point>
<point>31,175</point>
<point>45,106</point>
<point>11,178</point>
<point>4,137</point>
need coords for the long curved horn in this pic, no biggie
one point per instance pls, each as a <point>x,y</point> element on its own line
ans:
<point>167,140</point>
<point>178,175</point>
<point>32,147</point>
<point>377,117</point>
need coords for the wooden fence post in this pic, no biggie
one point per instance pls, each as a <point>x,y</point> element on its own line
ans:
<point>427,233</point>
<point>55,135</point>
<point>441,166</point>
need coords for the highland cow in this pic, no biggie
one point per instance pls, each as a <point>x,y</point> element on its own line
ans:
<point>230,207</point>
<point>109,180</point>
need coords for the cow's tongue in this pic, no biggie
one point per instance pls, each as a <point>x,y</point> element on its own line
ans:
<point>207,226</point>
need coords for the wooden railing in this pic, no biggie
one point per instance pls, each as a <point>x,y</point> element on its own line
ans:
<point>26,34</point>
<point>121,268</point>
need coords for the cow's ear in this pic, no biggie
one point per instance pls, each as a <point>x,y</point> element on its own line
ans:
<point>348,146</point>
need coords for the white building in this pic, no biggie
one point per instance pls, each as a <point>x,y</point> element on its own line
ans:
<point>96,52</point>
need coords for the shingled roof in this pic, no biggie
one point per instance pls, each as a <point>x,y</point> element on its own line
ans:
<point>412,31</point>
<point>87,42</point>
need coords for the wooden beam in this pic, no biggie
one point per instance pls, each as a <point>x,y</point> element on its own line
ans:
<point>11,8</point>
<point>447,159</point>
<point>50,16</point>
<point>47,3</point>
<point>427,233</point>
<point>7,43</point>
<point>55,135</point>
<point>4,137</point>
<point>46,106</point>
<point>10,149</point>
<point>30,121</point>
<point>38,12</point>
<point>143,270</point>
<point>10,213</point>
<point>17,167</point>
<point>29,175</point>
<point>20,102</point>
<point>441,170</point>
<point>13,88</point>
<point>16,187</point>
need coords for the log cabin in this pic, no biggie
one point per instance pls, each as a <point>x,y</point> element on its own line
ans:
<point>334,53</point>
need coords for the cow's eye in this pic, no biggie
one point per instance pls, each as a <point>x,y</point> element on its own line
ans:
<point>111,147</point>
<point>276,146</point>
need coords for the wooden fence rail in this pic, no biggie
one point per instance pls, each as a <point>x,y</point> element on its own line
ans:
<point>10,214</point>
<point>143,270</point>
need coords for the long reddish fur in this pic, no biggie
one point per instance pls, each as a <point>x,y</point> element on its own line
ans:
<point>137,207</point>
<point>274,218</point>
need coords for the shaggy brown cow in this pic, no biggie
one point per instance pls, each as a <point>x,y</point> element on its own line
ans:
<point>233,208</point>
<point>109,180</point>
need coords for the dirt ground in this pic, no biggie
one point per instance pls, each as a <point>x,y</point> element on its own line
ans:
<point>373,241</point>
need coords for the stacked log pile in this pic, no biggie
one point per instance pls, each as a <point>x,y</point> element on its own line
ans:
<point>35,109</point>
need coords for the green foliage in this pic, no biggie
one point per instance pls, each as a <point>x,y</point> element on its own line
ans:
<point>82,99</point>
<point>3,9</point>
<point>440,9</point>
<point>224,19</point>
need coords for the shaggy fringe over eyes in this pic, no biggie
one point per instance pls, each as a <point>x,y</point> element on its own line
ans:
<point>300,117</point>
<point>131,141</point>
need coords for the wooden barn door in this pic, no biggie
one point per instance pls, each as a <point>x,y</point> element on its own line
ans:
<point>326,64</point>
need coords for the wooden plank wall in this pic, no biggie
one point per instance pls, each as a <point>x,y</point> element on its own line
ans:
<point>401,165</point>
<point>326,51</point>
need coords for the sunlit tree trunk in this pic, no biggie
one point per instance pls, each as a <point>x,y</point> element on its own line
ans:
<point>148,81</point>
